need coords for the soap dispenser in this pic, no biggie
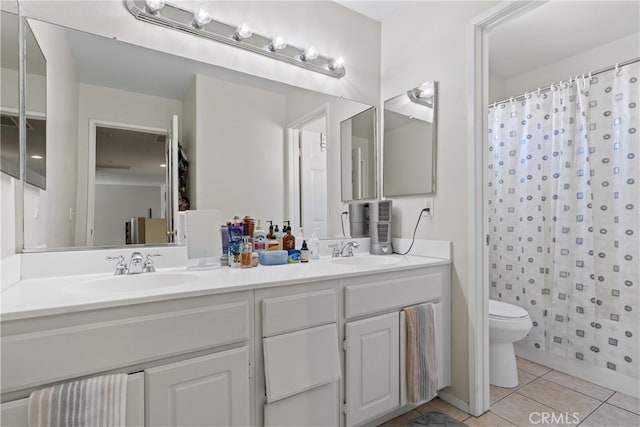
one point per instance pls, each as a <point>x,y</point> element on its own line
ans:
<point>288,240</point>
<point>259,239</point>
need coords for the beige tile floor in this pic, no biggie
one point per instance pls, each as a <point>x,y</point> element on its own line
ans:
<point>543,391</point>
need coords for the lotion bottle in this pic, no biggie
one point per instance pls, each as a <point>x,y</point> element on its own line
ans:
<point>288,240</point>
<point>314,245</point>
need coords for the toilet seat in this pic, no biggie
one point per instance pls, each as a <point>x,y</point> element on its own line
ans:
<point>503,310</point>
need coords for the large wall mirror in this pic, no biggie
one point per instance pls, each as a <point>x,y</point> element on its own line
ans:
<point>244,139</point>
<point>409,144</point>
<point>9,95</point>
<point>358,145</point>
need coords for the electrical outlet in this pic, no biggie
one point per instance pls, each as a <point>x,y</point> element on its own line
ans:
<point>428,204</point>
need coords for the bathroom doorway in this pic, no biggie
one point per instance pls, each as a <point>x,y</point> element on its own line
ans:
<point>308,174</point>
<point>127,179</point>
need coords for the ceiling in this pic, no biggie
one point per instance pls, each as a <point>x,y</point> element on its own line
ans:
<point>376,10</point>
<point>557,30</point>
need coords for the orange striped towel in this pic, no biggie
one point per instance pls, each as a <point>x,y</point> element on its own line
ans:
<point>98,401</point>
<point>422,365</point>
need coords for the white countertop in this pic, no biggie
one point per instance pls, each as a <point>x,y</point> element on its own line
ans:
<point>65,294</point>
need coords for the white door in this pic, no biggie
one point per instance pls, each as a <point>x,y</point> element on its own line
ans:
<point>313,182</point>
<point>211,390</point>
<point>172,179</point>
<point>373,367</point>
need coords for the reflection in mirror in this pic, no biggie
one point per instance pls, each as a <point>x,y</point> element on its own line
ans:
<point>9,95</point>
<point>236,130</point>
<point>409,145</point>
<point>36,112</point>
<point>358,156</point>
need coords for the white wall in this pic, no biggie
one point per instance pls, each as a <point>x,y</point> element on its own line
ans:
<point>428,41</point>
<point>115,204</point>
<point>47,219</point>
<point>240,150</point>
<point>113,105</point>
<point>590,60</point>
<point>497,88</point>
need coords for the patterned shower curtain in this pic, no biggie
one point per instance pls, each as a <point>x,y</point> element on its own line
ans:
<point>564,216</point>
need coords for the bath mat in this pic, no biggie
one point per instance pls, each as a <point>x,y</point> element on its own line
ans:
<point>435,419</point>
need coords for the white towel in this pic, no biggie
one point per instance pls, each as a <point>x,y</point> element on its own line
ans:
<point>422,365</point>
<point>98,401</point>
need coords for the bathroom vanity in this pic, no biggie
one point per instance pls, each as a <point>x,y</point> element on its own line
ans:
<point>317,344</point>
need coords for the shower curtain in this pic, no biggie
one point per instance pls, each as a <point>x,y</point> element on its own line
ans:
<point>564,216</point>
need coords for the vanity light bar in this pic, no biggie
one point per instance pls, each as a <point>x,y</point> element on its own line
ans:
<point>178,18</point>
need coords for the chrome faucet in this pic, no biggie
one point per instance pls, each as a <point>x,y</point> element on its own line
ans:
<point>343,250</point>
<point>349,247</point>
<point>136,264</point>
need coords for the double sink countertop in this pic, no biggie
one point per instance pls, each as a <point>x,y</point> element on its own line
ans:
<point>43,296</point>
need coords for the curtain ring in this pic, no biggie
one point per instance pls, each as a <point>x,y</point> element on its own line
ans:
<point>511,99</point>
<point>538,91</point>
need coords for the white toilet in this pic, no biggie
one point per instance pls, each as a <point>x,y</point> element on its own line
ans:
<point>508,323</point>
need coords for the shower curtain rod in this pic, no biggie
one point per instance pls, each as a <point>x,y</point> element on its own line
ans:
<point>548,88</point>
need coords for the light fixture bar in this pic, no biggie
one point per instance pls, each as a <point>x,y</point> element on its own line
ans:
<point>178,18</point>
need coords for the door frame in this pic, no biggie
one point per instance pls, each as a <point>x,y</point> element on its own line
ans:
<point>292,166</point>
<point>91,173</point>
<point>478,271</point>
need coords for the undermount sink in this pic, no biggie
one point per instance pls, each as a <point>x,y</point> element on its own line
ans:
<point>131,283</point>
<point>366,260</point>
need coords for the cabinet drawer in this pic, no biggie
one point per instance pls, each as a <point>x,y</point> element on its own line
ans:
<point>373,294</point>
<point>300,311</point>
<point>15,414</point>
<point>112,343</point>
<point>318,407</point>
<point>299,361</point>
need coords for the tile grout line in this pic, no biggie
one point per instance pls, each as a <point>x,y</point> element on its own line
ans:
<point>577,391</point>
<point>588,415</point>
<point>504,419</point>
<point>556,409</point>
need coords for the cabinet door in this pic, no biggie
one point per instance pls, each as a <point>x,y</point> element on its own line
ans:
<point>211,390</point>
<point>373,367</point>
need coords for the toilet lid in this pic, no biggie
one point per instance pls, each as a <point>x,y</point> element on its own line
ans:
<point>505,310</point>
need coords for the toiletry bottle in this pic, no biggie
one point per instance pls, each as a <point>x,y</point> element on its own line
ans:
<point>278,236</point>
<point>304,252</point>
<point>314,245</point>
<point>288,240</point>
<point>259,239</point>
<point>270,233</point>
<point>245,253</point>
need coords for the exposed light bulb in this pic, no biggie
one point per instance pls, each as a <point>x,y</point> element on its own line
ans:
<point>154,5</point>
<point>423,93</point>
<point>278,43</point>
<point>37,157</point>
<point>337,64</point>
<point>201,18</point>
<point>243,31</point>
<point>309,53</point>
<point>162,165</point>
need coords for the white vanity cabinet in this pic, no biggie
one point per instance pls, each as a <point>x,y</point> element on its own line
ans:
<point>375,338</point>
<point>190,357</point>
<point>211,390</point>
<point>298,351</point>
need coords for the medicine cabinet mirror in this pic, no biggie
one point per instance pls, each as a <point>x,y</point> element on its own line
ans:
<point>358,156</point>
<point>409,143</point>
<point>240,152</point>
<point>9,95</point>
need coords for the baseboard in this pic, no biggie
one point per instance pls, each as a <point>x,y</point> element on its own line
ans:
<point>597,375</point>
<point>454,401</point>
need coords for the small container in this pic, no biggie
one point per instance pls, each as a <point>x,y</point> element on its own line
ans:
<point>314,245</point>
<point>235,244</point>
<point>245,253</point>
<point>273,257</point>
<point>294,256</point>
<point>304,252</point>
<point>255,259</point>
